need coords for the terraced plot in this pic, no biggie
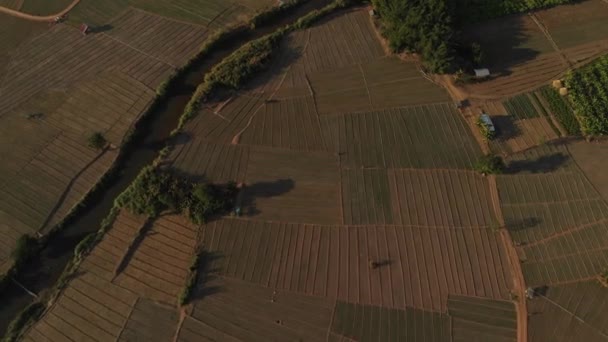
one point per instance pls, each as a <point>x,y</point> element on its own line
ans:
<point>478,319</point>
<point>156,266</point>
<point>402,138</point>
<point>150,321</point>
<point>569,313</point>
<point>286,186</point>
<point>236,311</point>
<point>373,323</point>
<point>335,262</point>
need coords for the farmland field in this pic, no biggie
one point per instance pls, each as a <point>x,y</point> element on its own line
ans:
<point>58,87</point>
<point>360,213</point>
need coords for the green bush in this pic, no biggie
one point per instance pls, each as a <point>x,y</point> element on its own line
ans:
<point>154,191</point>
<point>489,164</point>
<point>186,293</point>
<point>97,141</point>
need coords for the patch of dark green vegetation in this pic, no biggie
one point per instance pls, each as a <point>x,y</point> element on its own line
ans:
<point>489,165</point>
<point>589,96</point>
<point>431,28</point>
<point>97,141</point>
<point>562,110</point>
<point>155,190</point>
<point>521,107</point>
<point>186,294</point>
<point>543,111</point>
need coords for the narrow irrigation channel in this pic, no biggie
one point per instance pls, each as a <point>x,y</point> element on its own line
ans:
<point>150,136</point>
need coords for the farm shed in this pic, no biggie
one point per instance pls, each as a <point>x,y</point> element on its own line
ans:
<point>487,121</point>
<point>481,73</point>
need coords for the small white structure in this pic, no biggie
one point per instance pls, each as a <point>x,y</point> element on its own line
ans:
<point>485,118</point>
<point>481,73</point>
<point>372,13</point>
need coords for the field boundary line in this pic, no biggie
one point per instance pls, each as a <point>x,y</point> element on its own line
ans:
<point>69,187</point>
<point>564,232</point>
<point>573,314</point>
<point>32,17</point>
<point>124,326</point>
<point>547,35</point>
<point>578,200</point>
<point>205,26</point>
<point>513,260</point>
<point>369,95</point>
<point>580,170</point>
<point>331,320</point>
<point>569,255</point>
<point>138,50</point>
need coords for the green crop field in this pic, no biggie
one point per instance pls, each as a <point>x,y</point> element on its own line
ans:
<point>590,97</point>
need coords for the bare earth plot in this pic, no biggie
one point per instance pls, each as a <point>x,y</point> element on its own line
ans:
<point>57,87</point>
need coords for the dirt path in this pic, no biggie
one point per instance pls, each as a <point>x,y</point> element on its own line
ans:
<point>519,285</point>
<point>38,18</point>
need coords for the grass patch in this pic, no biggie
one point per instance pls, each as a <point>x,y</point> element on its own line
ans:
<point>97,141</point>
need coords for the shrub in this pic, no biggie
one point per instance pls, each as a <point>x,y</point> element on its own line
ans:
<point>154,191</point>
<point>97,141</point>
<point>186,293</point>
<point>489,164</point>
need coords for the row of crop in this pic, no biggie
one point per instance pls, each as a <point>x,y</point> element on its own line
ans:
<point>561,110</point>
<point>521,107</point>
<point>239,67</point>
<point>589,96</point>
<point>472,11</point>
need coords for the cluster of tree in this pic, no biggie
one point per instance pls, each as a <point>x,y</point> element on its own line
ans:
<point>155,191</point>
<point>431,28</point>
<point>421,26</point>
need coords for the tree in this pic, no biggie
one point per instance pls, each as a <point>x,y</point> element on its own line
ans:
<point>489,164</point>
<point>97,141</point>
<point>27,247</point>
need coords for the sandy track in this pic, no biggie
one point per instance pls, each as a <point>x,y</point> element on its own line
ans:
<point>37,17</point>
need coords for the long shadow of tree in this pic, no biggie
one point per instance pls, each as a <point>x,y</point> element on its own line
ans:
<point>541,164</point>
<point>206,283</point>
<point>263,190</point>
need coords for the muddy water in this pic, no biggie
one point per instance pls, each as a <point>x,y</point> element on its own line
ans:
<point>152,134</point>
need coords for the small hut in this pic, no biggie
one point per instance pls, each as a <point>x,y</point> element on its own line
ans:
<point>482,73</point>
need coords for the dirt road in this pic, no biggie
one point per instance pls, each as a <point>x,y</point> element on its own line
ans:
<point>38,18</point>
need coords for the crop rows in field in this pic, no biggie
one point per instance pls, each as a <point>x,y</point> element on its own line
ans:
<point>574,311</point>
<point>287,186</point>
<point>157,265</point>
<point>589,97</point>
<point>480,319</point>
<point>53,180</point>
<point>384,83</point>
<point>561,109</point>
<point>238,311</point>
<point>594,168</point>
<point>62,56</point>
<point>574,25</point>
<point>156,36</point>
<point>580,253</point>
<point>424,198</point>
<point>215,162</point>
<point>538,206</point>
<point>374,323</point>
<point>432,136</point>
<point>89,309</point>
<point>223,124</point>
<point>150,321</point>
<point>291,124</point>
<point>420,266</point>
<point>112,103</point>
